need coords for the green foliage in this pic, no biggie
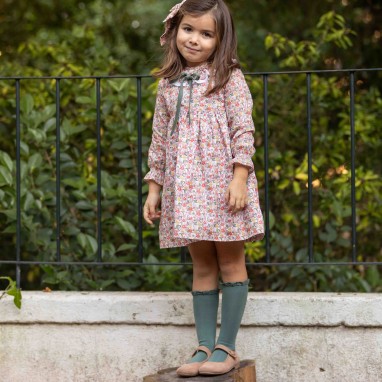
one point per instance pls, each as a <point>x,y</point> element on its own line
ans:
<point>78,185</point>
<point>12,290</point>
<point>331,28</point>
<point>331,169</point>
<point>77,39</point>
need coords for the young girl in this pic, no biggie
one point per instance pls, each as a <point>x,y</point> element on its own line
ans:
<point>201,159</point>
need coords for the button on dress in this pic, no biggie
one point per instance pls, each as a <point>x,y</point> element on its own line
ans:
<point>195,163</point>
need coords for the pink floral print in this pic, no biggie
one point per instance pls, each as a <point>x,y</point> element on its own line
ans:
<point>195,164</point>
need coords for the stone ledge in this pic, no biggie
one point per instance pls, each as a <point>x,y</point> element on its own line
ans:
<point>175,308</point>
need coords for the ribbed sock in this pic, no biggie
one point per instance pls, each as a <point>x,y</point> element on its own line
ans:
<point>205,312</point>
<point>234,299</point>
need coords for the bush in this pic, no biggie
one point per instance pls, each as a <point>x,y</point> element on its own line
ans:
<point>288,169</point>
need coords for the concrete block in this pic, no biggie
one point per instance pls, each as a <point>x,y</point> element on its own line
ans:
<point>124,336</point>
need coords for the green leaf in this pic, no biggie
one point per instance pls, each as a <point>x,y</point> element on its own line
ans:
<point>34,161</point>
<point>12,290</point>
<point>92,243</point>
<point>24,148</point>
<point>316,221</point>
<point>269,41</point>
<point>301,176</point>
<point>365,285</point>
<point>78,183</point>
<point>84,205</point>
<point>87,242</point>
<point>84,100</point>
<point>50,125</point>
<point>126,247</point>
<point>125,284</point>
<point>26,104</point>
<point>73,130</point>
<point>11,214</point>
<point>126,163</point>
<point>372,275</point>
<point>82,240</point>
<point>17,298</point>
<point>126,226</point>
<point>272,220</point>
<point>283,184</point>
<point>29,201</point>
<point>6,178</point>
<point>119,86</point>
<point>6,160</point>
<point>296,188</point>
<point>10,229</point>
<point>72,231</point>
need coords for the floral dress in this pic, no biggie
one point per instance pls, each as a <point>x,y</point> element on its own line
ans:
<point>194,158</point>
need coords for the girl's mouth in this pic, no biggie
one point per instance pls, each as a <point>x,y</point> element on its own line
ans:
<point>191,49</point>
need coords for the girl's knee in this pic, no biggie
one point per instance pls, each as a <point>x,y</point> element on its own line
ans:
<point>232,268</point>
<point>205,269</point>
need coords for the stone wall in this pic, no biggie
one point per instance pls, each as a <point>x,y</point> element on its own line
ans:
<point>123,336</point>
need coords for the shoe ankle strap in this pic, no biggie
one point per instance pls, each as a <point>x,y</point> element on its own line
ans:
<point>204,349</point>
<point>232,353</point>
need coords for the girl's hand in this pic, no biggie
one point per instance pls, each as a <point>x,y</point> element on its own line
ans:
<point>237,193</point>
<point>150,209</point>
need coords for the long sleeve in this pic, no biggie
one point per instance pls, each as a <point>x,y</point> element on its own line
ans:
<point>157,150</point>
<point>238,104</point>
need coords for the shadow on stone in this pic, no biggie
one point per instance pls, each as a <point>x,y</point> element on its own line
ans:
<point>246,373</point>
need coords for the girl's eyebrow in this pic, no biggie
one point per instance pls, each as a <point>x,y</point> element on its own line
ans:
<point>191,26</point>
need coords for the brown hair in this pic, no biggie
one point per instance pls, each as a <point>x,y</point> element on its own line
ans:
<point>223,60</point>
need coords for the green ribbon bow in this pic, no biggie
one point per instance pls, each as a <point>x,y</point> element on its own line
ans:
<point>184,77</point>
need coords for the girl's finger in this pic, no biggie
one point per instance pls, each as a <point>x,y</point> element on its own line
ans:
<point>147,219</point>
<point>146,214</point>
<point>152,211</point>
<point>226,196</point>
<point>232,204</point>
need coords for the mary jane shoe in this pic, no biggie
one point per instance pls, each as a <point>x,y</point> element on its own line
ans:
<point>192,369</point>
<point>216,368</point>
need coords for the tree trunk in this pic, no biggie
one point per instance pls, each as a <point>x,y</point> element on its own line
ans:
<point>246,373</point>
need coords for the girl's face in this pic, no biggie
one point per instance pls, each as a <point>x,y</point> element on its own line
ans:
<point>196,38</point>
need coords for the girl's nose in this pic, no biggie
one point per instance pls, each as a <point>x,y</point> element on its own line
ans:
<point>193,39</point>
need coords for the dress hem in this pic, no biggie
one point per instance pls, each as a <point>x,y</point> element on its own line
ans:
<point>187,240</point>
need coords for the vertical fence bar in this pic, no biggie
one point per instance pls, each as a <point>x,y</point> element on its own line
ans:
<point>18,185</point>
<point>58,173</point>
<point>310,205</point>
<point>353,196</point>
<point>266,168</point>
<point>139,169</point>
<point>99,188</point>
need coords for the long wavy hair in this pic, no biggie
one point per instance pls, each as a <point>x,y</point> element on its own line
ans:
<point>222,61</point>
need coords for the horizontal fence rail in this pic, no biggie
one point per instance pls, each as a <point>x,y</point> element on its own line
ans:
<point>98,261</point>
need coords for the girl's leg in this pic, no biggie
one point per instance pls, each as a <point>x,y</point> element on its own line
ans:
<point>205,294</point>
<point>204,265</point>
<point>231,260</point>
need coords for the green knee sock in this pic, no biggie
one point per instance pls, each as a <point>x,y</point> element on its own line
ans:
<point>234,299</point>
<point>205,312</point>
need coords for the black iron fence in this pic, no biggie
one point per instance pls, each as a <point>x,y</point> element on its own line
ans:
<point>98,260</point>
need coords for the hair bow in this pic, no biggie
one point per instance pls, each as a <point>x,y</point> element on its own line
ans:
<point>173,11</point>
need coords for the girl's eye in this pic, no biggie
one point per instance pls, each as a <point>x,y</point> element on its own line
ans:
<point>207,34</point>
<point>187,29</point>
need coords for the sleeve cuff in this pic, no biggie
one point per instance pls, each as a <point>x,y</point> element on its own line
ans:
<point>155,175</point>
<point>247,162</point>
